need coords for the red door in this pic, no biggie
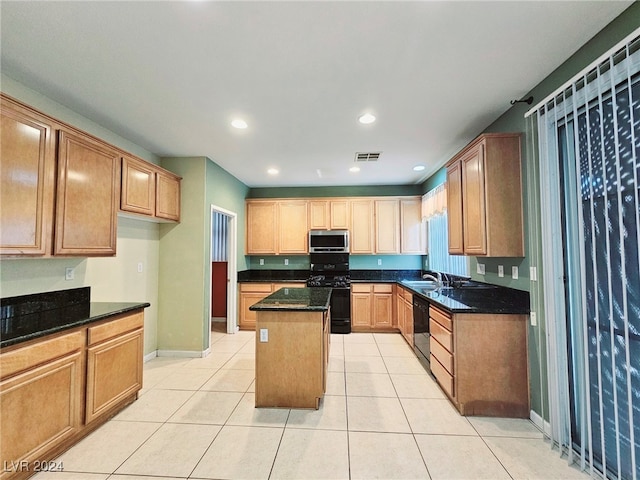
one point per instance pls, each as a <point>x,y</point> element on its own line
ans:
<point>219,288</point>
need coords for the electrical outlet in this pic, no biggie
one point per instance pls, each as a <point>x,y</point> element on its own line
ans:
<point>264,335</point>
<point>514,272</point>
<point>69,273</point>
<point>286,261</point>
<point>501,271</point>
<point>262,261</point>
<point>480,269</point>
<point>533,274</point>
<point>379,261</point>
<point>534,319</point>
<point>140,267</point>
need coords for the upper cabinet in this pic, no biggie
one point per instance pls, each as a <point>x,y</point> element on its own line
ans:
<point>362,238</point>
<point>262,234</point>
<point>61,188</point>
<point>149,190</point>
<point>293,227</point>
<point>319,215</point>
<point>340,218</point>
<point>412,230</point>
<point>27,173</point>
<point>484,198</point>
<point>387,229</point>
<point>88,196</point>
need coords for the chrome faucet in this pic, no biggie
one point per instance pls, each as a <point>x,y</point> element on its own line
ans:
<point>438,279</point>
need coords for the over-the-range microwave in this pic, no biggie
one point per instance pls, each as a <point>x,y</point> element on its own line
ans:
<point>328,241</point>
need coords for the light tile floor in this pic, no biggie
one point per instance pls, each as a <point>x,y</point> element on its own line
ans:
<point>383,417</point>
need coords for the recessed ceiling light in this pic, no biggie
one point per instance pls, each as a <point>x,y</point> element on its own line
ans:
<point>273,171</point>
<point>354,169</point>
<point>367,118</point>
<point>239,123</point>
<point>419,168</point>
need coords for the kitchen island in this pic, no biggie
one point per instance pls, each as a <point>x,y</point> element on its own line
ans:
<point>292,347</point>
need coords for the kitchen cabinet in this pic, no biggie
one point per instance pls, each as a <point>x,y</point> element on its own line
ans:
<point>340,214</point>
<point>114,363</point>
<point>88,193</point>
<point>412,230</point>
<point>387,226</point>
<point>167,195</point>
<point>293,229</point>
<point>262,233</point>
<point>459,343</point>
<point>362,227</point>
<point>41,399</point>
<point>404,313</point>
<point>252,293</point>
<point>485,192</point>
<point>319,215</point>
<point>372,307</point>
<point>27,175</point>
<point>138,190</point>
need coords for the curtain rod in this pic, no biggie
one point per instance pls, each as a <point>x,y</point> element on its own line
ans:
<point>590,67</point>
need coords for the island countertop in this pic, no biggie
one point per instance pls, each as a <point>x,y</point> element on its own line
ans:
<point>314,299</point>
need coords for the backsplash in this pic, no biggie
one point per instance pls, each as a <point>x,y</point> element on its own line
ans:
<point>356,262</point>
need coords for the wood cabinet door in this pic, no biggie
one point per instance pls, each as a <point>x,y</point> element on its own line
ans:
<point>412,231</point>
<point>167,196</point>
<point>474,201</point>
<point>454,209</point>
<point>261,228</point>
<point>114,372</point>
<point>339,214</point>
<point>41,408</point>
<point>247,318</point>
<point>27,176</point>
<point>88,196</point>
<point>387,228</point>
<point>362,238</point>
<point>138,190</point>
<point>319,215</point>
<point>361,310</point>
<point>293,227</point>
<point>382,310</point>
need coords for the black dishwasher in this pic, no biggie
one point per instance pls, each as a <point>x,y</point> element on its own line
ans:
<point>421,333</point>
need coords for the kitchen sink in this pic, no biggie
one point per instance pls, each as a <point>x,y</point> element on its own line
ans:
<point>421,284</point>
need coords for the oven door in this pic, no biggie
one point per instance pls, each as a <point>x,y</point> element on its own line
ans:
<point>341,310</point>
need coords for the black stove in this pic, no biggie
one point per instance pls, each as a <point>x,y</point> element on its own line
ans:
<point>332,270</point>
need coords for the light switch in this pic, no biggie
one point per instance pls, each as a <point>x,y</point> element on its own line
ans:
<point>534,319</point>
<point>69,273</point>
<point>514,272</point>
<point>262,261</point>
<point>286,261</point>
<point>140,267</point>
<point>501,271</point>
<point>264,335</point>
<point>379,261</point>
<point>480,269</point>
<point>533,274</point>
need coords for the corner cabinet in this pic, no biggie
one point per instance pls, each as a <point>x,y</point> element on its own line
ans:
<point>149,190</point>
<point>484,198</point>
<point>372,307</point>
<point>27,173</point>
<point>88,196</point>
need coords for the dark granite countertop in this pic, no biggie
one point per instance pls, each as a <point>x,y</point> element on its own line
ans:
<point>273,276</point>
<point>27,317</point>
<point>296,299</point>
<point>477,298</point>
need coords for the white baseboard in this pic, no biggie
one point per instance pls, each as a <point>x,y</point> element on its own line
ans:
<point>149,356</point>
<point>539,422</point>
<point>180,353</point>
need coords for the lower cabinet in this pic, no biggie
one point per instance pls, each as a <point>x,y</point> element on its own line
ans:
<point>55,390</point>
<point>252,293</point>
<point>372,307</point>
<point>114,366</point>
<point>461,343</point>
<point>404,313</point>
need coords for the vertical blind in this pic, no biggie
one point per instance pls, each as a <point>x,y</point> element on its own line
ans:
<point>589,146</point>
<point>219,238</point>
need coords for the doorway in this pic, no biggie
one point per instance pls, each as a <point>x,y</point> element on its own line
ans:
<point>223,278</point>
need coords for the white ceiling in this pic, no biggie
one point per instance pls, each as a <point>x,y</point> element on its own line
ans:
<point>170,76</point>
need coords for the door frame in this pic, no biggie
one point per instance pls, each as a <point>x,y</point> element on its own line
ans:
<point>232,270</point>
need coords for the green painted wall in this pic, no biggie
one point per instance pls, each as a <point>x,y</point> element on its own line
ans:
<point>356,262</point>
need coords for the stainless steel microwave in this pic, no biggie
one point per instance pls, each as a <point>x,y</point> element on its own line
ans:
<point>325,241</point>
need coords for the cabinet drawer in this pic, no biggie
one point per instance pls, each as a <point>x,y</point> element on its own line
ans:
<point>255,287</point>
<point>383,288</point>
<point>116,327</point>
<point>441,317</point>
<point>441,334</point>
<point>360,287</point>
<point>442,355</point>
<point>444,378</point>
<point>408,296</point>
<point>30,356</point>
<point>277,286</point>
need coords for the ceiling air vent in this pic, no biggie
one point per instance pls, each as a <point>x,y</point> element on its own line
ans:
<point>367,156</point>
